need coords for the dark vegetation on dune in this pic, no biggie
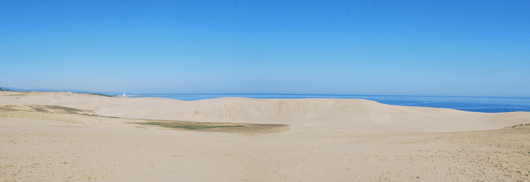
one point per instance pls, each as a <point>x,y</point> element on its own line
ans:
<point>190,125</point>
<point>224,127</point>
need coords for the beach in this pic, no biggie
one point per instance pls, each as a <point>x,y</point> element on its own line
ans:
<point>60,136</point>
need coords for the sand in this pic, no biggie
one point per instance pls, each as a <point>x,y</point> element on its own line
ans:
<point>53,136</point>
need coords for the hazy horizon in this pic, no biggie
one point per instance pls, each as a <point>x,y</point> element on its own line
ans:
<point>435,48</point>
<point>142,94</point>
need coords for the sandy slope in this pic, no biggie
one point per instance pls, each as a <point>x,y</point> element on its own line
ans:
<point>328,140</point>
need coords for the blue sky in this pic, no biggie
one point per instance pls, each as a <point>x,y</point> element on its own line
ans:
<point>478,48</point>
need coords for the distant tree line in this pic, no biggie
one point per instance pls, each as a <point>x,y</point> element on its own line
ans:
<point>105,95</point>
<point>102,95</point>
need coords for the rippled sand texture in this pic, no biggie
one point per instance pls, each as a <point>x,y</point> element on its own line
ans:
<point>77,137</point>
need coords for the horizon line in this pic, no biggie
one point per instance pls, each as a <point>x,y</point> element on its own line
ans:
<point>198,93</point>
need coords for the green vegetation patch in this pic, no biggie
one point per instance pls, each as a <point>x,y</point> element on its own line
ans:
<point>104,95</point>
<point>223,127</point>
<point>191,125</point>
<point>521,125</point>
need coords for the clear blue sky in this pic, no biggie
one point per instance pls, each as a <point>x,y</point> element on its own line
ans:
<point>325,47</point>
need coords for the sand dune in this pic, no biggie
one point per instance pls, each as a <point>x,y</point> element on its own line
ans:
<point>338,114</point>
<point>54,136</point>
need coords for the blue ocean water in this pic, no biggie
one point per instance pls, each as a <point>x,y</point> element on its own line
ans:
<point>464,103</point>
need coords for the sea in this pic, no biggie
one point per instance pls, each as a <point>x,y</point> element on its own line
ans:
<point>464,103</point>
